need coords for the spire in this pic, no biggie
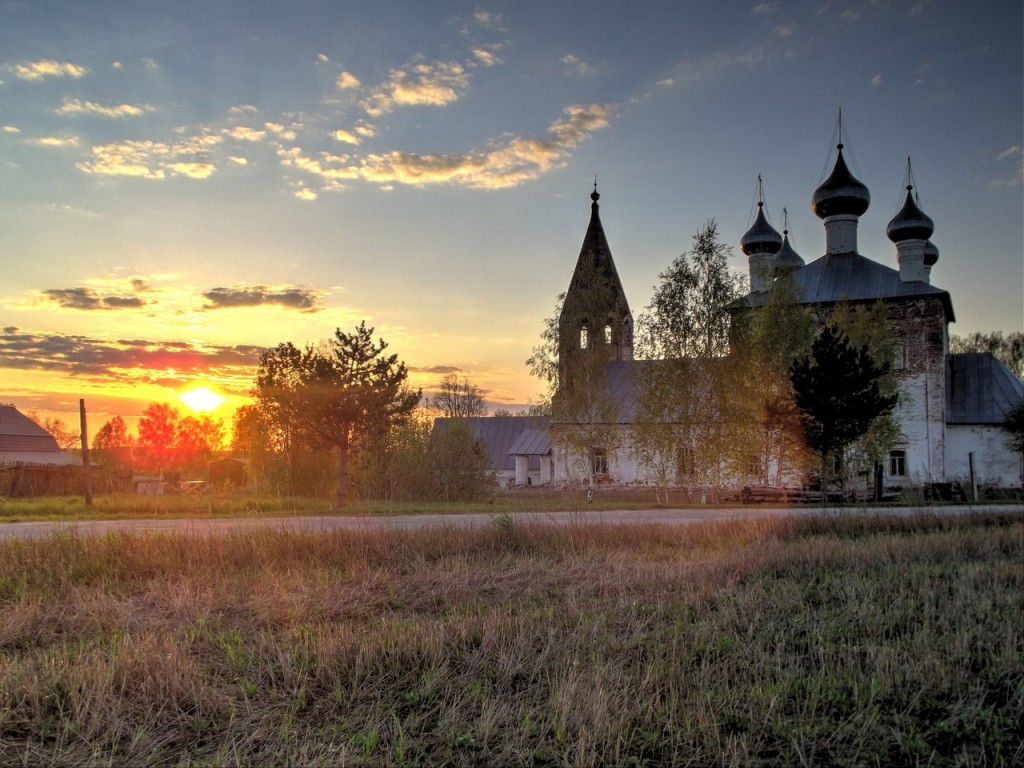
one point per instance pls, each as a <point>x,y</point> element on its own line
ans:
<point>762,236</point>
<point>595,306</point>
<point>787,259</point>
<point>910,229</point>
<point>841,193</point>
<point>840,201</point>
<point>760,243</point>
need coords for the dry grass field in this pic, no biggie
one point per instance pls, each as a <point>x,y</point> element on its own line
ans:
<point>841,640</point>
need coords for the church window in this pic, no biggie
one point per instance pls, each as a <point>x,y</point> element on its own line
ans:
<point>684,461</point>
<point>899,357</point>
<point>898,463</point>
<point>584,337</point>
<point>608,334</point>
<point>599,461</point>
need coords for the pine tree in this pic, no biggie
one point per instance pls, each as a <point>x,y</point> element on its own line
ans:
<point>837,393</point>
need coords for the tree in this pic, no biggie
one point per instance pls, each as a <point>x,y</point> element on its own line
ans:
<point>543,363</point>
<point>113,444</point>
<point>687,316</point>
<point>158,430</point>
<point>458,400</point>
<point>335,395</point>
<point>65,436</point>
<point>867,325</point>
<point>198,437</point>
<point>766,340</point>
<point>461,463</point>
<point>1014,426</point>
<point>679,422</point>
<point>837,392</point>
<point>1009,349</point>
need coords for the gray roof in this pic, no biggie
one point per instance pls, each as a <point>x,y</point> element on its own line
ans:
<point>532,442</point>
<point>625,378</point>
<point>499,433</point>
<point>22,440</point>
<point>980,389</point>
<point>839,277</point>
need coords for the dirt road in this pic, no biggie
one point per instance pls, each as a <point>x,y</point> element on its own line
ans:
<point>206,526</point>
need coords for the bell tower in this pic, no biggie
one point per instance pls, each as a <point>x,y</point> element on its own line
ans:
<point>595,317</point>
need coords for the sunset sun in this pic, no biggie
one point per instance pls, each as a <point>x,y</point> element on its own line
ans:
<point>201,399</point>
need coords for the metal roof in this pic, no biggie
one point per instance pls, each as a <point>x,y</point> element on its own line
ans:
<point>499,434</point>
<point>839,277</point>
<point>532,442</point>
<point>19,433</point>
<point>980,389</point>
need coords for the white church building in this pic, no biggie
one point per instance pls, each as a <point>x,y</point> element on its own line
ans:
<point>951,407</point>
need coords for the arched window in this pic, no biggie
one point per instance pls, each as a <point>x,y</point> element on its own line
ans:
<point>899,354</point>
<point>897,463</point>
<point>584,337</point>
<point>608,334</point>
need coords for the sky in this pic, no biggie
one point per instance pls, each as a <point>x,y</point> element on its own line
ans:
<point>185,184</point>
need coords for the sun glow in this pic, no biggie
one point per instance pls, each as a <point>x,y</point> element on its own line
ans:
<point>201,399</point>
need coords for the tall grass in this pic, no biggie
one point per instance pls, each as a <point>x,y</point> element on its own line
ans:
<point>796,641</point>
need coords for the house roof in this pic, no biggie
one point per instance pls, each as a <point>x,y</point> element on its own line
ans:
<point>531,442</point>
<point>980,389</point>
<point>22,440</point>
<point>839,277</point>
<point>499,433</point>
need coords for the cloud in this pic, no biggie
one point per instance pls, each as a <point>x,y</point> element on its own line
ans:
<point>506,164</point>
<point>244,133</point>
<point>347,81</point>
<point>39,70</point>
<point>716,65</point>
<point>486,57</point>
<point>576,65</point>
<point>282,131</point>
<point>919,8</point>
<point>1014,151</point>
<point>1015,156</point>
<point>11,129</point>
<point>667,82</point>
<point>124,360</point>
<point>487,18</point>
<point>876,80</point>
<point>79,107</point>
<point>346,137</point>
<point>764,9</point>
<point>434,84</point>
<point>55,141</point>
<point>442,369</point>
<point>785,30</point>
<point>289,297</point>
<point>154,159</point>
<point>88,299</point>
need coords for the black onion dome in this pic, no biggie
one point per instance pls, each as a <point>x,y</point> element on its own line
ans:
<point>931,254</point>
<point>787,257</point>
<point>911,223</point>
<point>761,237</point>
<point>841,193</point>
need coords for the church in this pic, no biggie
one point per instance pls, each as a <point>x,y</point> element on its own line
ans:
<point>950,410</point>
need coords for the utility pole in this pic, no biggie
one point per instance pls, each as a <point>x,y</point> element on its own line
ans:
<point>85,454</point>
